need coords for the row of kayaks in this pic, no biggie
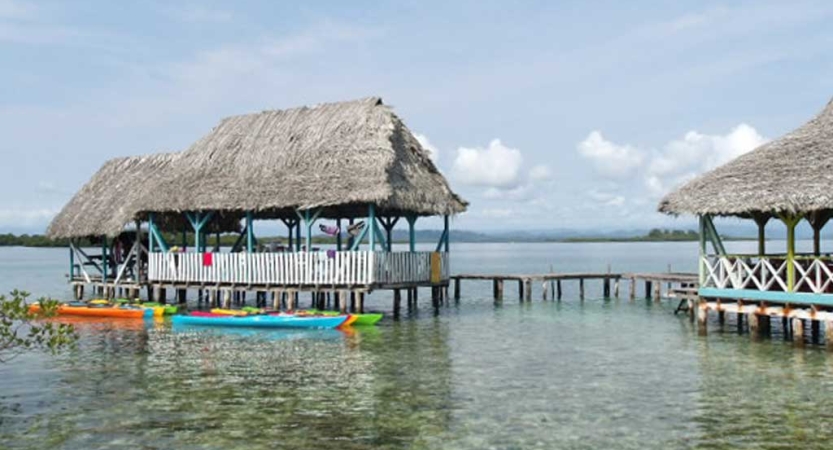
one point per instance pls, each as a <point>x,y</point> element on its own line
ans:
<point>246,317</point>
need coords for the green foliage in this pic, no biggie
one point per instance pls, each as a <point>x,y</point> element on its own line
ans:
<point>35,240</point>
<point>22,330</point>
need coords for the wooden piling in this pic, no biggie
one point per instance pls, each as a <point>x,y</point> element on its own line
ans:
<point>344,298</point>
<point>616,288</point>
<point>528,289</point>
<point>181,296</point>
<point>397,302</point>
<point>657,291</point>
<point>457,289</point>
<point>606,288</point>
<point>521,290</point>
<point>499,287</point>
<point>798,331</point>
<point>544,286</point>
<point>815,330</point>
<point>291,299</point>
<point>632,289</point>
<point>702,316</point>
<point>360,300</point>
<point>752,319</point>
<point>558,289</point>
<point>647,288</point>
<point>581,288</point>
<point>828,333</point>
<point>227,298</point>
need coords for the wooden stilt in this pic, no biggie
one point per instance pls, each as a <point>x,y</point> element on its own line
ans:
<point>544,287</point>
<point>180,296</point>
<point>457,289</point>
<point>499,285</point>
<point>606,288</point>
<point>702,316</point>
<point>521,290</point>
<point>657,291</point>
<point>397,302</point>
<point>752,319</point>
<point>163,296</point>
<point>361,302</point>
<point>798,331</point>
<point>647,289</point>
<point>828,333</point>
<point>632,289</point>
<point>558,289</point>
<point>581,288</point>
<point>342,301</point>
<point>227,298</point>
<point>276,300</point>
<point>616,288</point>
<point>815,330</point>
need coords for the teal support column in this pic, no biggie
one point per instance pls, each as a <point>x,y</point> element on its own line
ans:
<point>104,261</point>
<point>411,233</point>
<point>371,222</point>
<point>447,232</point>
<point>250,233</point>
<point>71,261</point>
<point>702,263</point>
<point>151,227</point>
<point>198,222</point>
<point>298,236</point>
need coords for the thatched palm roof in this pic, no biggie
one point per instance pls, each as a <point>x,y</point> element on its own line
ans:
<point>337,156</point>
<point>793,174</point>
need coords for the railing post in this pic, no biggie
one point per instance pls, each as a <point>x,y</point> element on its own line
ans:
<point>790,222</point>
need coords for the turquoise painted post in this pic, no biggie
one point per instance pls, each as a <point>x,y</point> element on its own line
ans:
<point>702,263</point>
<point>411,233</point>
<point>104,258</point>
<point>71,261</point>
<point>151,227</point>
<point>250,233</point>
<point>447,232</point>
<point>371,219</point>
<point>298,236</point>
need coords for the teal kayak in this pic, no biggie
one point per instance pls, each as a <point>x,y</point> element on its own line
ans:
<point>261,321</point>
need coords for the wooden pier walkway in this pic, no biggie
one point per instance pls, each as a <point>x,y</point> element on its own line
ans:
<point>551,283</point>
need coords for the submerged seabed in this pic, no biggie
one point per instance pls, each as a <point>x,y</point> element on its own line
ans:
<point>593,374</point>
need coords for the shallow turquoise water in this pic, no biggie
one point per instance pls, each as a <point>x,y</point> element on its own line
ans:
<point>595,374</point>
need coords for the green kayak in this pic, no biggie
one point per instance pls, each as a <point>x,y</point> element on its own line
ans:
<point>363,319</point>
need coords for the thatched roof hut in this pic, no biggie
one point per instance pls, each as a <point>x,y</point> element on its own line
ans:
<point>338,157</point>
<point>793,174</point>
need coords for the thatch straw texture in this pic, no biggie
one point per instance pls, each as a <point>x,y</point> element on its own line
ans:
<point>337,156</point>
<point>103,205</point>
<point>793,174</point>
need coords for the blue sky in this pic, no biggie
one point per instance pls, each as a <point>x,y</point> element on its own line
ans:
<point>542,114</point>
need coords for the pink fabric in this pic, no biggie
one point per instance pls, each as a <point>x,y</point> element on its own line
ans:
<point>207,259</point>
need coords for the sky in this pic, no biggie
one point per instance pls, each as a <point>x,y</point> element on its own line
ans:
<point>543,115</point>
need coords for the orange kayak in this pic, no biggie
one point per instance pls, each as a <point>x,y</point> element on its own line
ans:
<point>350,319</point>
<point>106,311</point>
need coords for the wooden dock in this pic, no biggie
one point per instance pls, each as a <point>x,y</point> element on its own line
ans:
<point>551,283</point>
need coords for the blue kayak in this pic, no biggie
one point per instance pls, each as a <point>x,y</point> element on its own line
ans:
<point>261,321</point>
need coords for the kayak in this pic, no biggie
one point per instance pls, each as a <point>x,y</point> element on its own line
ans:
<point>351,318</point>
<point>127,312</point>
<point>167,309</point>
<point>263,321</point>
<point>232,312</point>
<point>361,319</point>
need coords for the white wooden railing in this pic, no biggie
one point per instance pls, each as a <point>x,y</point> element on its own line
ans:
<point>302,268</point>
<point>768,273</point>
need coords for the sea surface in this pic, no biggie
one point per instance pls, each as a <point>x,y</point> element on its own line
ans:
<point>569,374</point>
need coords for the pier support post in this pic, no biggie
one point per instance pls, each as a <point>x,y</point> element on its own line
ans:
<point>692,309</point>
<point>291,299</point>
<point>521,290</point>
<point>828,334</point>
<point>227,298</point>
<point>276,300</point>
<point>163,296</point>
<point>558,289</point>
<point>528,290</point>
<point>360,306</point>
<point>397,302</point>
<point>180,296</point>
<point>815,330</point>
<point>657,291</point>
<point>581,288</point>
<point>632,289</point>
<point>798,331</point>
<point>752,318</point>
<point>616,288</point>
<point>606,288</point>
<point>702,316</point>
<point>456,289</point>
<point>647,288</point>
<point>343,299</point>
<point>544,286</point>
<point>499,290</point>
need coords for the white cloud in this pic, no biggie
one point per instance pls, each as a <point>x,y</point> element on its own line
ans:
<point>496,166</point>
<point>521,192</point>
<point>683,159</point>
<point>540,172</point>
<point>433,151</point>
<point>611,160</point>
